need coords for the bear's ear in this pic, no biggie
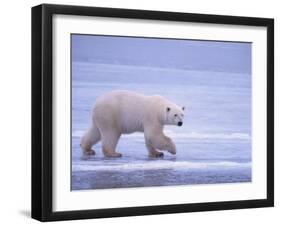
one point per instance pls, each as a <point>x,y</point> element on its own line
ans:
<point>168,109</point>
<point>183,108</point>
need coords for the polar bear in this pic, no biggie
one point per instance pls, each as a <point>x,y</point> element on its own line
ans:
<point>124,112</point>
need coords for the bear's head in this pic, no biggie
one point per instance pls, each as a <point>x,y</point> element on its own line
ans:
<point>174,115</point>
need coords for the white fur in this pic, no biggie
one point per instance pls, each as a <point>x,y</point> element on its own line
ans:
<point>123,112</point>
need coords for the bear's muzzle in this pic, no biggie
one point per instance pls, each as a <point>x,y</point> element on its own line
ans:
<point>180,123</point>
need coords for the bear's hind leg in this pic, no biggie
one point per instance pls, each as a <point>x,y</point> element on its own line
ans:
<point>109,142</point>
<point>91,137</point>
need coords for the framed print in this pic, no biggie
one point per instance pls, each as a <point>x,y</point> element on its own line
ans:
<point>145,112</point>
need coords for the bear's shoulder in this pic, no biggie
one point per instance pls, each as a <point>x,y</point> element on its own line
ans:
<point>158,98</point>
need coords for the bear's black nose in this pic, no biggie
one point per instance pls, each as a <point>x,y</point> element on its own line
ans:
<point>180,123</point>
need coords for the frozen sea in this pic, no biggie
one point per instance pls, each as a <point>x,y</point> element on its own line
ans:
<point>213,145</point>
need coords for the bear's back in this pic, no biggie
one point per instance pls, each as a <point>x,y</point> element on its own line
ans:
<point>127,108</point>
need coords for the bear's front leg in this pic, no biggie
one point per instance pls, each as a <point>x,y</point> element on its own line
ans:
<point>169,145</point>
<point>153,152</point>
<point>161,142</point>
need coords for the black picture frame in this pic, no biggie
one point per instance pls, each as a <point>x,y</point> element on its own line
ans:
<point>42,107</point>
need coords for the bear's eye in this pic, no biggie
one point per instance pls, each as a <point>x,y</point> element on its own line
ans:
<point>176,115</point>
